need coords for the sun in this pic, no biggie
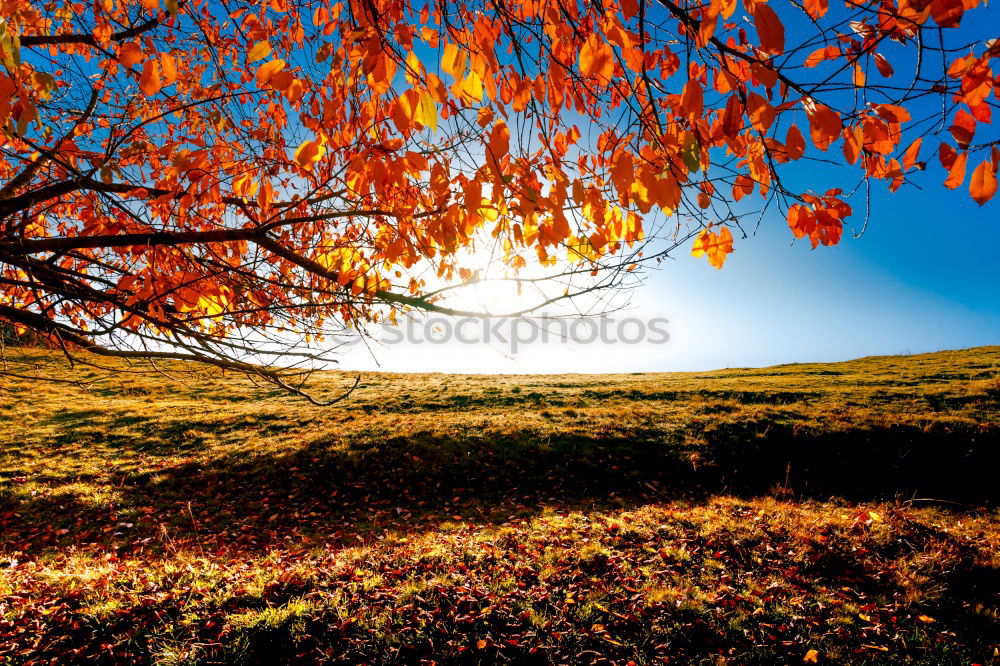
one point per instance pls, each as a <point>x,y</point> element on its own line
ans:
<point>493,288</point>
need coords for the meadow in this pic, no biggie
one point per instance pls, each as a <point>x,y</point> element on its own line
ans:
<point>805,513</point>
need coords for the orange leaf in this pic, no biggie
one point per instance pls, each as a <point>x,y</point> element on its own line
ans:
<point>732,117</point>
<point>453,61</point>
<point>309,153</point>
<point>150,82</point>
<point>824,126</point>
<point>984,182</point>
<point>947,155</point>
<point>742,186</point>
<point>282,80</point>
<point>129,54</point>
<point>623,174</point>
<point>981,112</point>
<point>801,220</point>
<point>716,246</point>
<point>266,71</point>
<point>169,68</point>
<point>723,247</point>
<point>760,111</point>
<point>956,173</point>
<point>597,59</point>
<point>910,156</point>
<point>769,29</point>
<point>892,113</point>
<point>816,8</point>
<point>830,52</point>
<point>963,128</point>
<point>692,100</point>
<point>498,147</point>
<point>859,76</point>
<point>707,27</point>
<point>895,173</point>
<point>293,93</point>
<point>499,140</point>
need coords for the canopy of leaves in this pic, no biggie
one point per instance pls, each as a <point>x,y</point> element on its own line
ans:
<point>217,181</point>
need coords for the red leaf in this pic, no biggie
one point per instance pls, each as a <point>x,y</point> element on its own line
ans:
<point>884,68</point>
<point>963,128</point>
<point>947,13</point>
<point>769,29</point>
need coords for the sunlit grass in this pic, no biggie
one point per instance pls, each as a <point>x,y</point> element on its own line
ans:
<point>749,515</point>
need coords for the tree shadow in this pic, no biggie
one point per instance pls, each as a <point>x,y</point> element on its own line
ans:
<point>334,490</point>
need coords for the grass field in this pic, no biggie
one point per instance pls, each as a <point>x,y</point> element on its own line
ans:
<point>808,513</point>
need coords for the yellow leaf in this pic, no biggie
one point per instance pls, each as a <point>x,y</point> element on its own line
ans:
<point>812,657</point>
<point>427,112</point>
<point>259,51</point>
<point>309,153</point>
<point>453,61</point>
<point>413,68</point>
<point>471,87</point>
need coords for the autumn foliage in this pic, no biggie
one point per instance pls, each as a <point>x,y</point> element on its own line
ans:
<point>210,181</point>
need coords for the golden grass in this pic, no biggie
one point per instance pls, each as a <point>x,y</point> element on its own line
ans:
<point>743,514</point>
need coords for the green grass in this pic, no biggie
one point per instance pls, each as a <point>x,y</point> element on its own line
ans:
<point>745,515</point>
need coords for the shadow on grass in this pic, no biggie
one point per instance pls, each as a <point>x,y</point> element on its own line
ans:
<point>346,490</point>
<point>352,490</point>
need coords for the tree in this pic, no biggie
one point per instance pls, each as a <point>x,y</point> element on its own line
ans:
<point>222,182</point>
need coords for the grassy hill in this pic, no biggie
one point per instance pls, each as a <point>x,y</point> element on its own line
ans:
<point>839,512</point>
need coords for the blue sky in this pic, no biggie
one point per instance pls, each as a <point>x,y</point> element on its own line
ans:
<point>923,277</point>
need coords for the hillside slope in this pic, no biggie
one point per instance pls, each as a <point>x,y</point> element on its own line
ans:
<point>749,514</point>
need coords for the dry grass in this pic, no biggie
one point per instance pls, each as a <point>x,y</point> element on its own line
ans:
<point>748,515</point>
